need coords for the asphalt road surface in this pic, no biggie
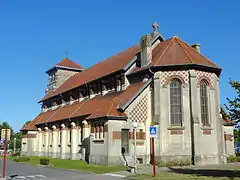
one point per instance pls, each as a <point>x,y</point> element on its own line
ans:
<point>26,171</point>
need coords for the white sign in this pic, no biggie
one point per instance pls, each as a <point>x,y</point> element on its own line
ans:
<point>153,131</point>
<point>3,131</point>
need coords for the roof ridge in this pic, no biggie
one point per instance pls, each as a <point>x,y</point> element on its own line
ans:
<point>171,41</point>
<point>178,41</point>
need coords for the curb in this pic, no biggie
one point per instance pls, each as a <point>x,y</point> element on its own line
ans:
<point>70,170</point>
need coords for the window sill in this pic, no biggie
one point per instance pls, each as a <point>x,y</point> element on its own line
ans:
<point>176,128</point>
<point>206,128</point>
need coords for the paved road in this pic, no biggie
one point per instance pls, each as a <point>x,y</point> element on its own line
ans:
<point>26,171</point>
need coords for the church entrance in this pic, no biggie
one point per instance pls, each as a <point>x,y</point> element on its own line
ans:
<point>125,141</point>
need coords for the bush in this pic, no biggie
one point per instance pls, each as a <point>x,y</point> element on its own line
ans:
<point>16,154</point>
<point>44,161</point>
<point>237,154</point>
<point>231,159</point>
<point>21,159</point>
<point>174,163</point>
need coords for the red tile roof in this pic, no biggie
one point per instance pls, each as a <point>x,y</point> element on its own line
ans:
<point>106,67</point>
<point>69,63</point>
<point>175,51</point>
<point>99,106</point>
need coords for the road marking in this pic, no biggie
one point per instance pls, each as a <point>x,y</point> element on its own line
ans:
<point>20,177</point>
<point>32,177</point>
<point>115,175</point>
<point>40,176</point>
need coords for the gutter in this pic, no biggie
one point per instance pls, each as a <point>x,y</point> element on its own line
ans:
<point>70,68</point>
<point>192,124</point>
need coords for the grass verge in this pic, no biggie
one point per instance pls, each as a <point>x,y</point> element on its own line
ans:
<point>176,176</point>
<point>75,165</point>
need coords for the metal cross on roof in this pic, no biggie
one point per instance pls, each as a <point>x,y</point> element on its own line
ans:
<point>155,26</point>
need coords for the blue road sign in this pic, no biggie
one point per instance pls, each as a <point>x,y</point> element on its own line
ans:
<point>153,131</point>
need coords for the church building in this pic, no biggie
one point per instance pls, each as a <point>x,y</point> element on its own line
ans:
<point>89,113</point>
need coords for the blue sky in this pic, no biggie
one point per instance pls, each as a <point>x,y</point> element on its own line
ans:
<point>35,35</point>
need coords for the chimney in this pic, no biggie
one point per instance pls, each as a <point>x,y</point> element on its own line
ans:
<point>146,50</point>
<point>196,47</point>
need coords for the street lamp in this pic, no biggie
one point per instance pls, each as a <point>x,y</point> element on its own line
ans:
<point>14,145</point>
<point>135,125</point>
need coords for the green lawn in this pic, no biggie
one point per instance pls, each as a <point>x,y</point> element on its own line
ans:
<point>76,165</point>
<point>225,172</point>
<point>177,176</point>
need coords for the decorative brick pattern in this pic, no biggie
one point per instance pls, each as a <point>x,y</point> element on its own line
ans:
<point>168,75</point>
<point>206,76</point>
<point>177,131</point>
<point>140,111</point>
<point>207,131</point>
<point>116,134</point>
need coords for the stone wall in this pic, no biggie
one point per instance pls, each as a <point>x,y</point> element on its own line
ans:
<point>176,142</point>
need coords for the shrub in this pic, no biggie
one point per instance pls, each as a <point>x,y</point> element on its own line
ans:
<point>44,161</point>
<point>231,159</point>
<point>174,163</point>
<point>21,159</point>
<point>237,154</point>
<point>16,154</point>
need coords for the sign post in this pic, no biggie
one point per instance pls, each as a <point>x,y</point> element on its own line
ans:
<point>135,125</point>
<point>5,135</point>
<point>153,135</point>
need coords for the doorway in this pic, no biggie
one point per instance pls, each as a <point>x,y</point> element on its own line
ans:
<point>125,141</point>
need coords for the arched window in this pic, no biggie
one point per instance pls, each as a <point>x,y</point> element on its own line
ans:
<point>204,102</point>
<point>176,102</point>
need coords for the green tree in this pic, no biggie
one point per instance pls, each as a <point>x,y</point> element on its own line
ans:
<point>18,137</point>
<point>234,104</point>
<point>237,135</point>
